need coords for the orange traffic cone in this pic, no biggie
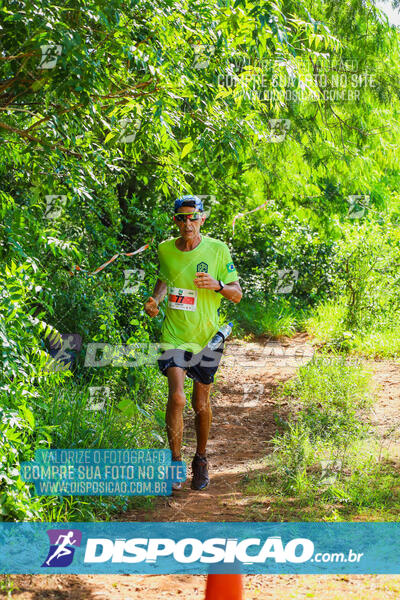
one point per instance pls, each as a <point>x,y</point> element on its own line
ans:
<point>224,587</point>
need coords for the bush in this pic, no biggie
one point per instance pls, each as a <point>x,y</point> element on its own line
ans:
<point>332,394</point>
<point>261,318</point>
<point>330,397</point>
<point>364,313</point>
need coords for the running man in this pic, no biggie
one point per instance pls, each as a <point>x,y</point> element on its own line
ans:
<point>195,272</point>
<point>62,549</point>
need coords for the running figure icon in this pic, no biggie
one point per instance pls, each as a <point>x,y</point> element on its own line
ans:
<point>62,549</point>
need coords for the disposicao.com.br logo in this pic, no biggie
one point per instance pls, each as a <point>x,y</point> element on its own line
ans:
<point>209,551</point>
<point>160,552</point>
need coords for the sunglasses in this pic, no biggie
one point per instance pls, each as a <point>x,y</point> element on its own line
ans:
<point>181,217</point>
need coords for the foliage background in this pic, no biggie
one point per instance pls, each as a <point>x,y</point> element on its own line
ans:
<point>198,82</point>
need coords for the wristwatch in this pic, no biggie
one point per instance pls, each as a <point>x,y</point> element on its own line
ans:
<point>221,286</point>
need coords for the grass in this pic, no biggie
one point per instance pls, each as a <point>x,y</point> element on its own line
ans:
<point>379,344</point>
<point>7,586</point>
<point>372,494</point>
<point>75,426</point>
<point>326,323</point>
<point>331,393</point>
<point>138,423</point>
<point>326,462</point>
<point>274,319</point>
<point>380,338</point>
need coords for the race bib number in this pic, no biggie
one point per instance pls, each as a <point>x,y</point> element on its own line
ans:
<point>182,299</point>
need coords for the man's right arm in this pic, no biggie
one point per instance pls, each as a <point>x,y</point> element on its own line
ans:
<point>151,306</point>
<point>160,291</point>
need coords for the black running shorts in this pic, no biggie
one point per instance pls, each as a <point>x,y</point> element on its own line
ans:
<point>200,367</point>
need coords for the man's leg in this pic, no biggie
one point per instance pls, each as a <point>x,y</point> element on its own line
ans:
<point>203,415</point>
<point>174,412</point>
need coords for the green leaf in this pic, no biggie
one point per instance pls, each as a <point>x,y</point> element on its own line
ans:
<point>127,407</point>
<point>109,136</point>
<point>28,415</point>
<point>186,149</point>
<point>160,417</point>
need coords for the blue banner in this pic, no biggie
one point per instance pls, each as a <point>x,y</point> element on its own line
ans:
<point>91,472</point>
<point>199,548</point>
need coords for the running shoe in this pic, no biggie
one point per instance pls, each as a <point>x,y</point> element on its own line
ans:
<point>200,479</point>
<point>177,485</point>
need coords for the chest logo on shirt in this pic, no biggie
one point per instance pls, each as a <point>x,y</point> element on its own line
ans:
<point>202,267</point>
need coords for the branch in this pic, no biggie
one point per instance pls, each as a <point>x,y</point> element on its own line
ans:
<point>25,135</point>
<point>20,55</point>
<point>80,105</point>
<point>212,176</point>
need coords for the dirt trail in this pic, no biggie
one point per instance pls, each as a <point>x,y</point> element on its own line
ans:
<point>243,424</point>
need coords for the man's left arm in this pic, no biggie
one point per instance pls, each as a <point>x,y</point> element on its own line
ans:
<point>231,291</point>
